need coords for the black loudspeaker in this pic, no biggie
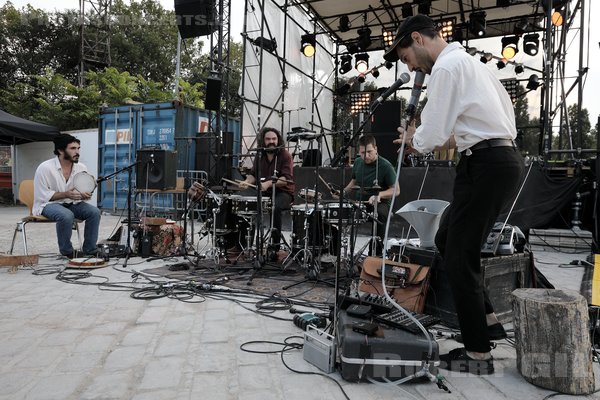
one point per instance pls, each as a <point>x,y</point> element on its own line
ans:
<point>213,94</point>
<point>311,158</point>
<point>156,169</point>
<point>386,117</point>
<point>196,17</point>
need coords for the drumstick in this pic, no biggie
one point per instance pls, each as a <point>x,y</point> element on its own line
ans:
<point>328,185</point>
<point>238,182</point>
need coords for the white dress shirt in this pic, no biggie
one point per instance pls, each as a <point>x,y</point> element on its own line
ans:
<point>48,180</point>
<point>465,98</point>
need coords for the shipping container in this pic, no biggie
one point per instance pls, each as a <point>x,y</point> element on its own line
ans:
<point>124,130</point>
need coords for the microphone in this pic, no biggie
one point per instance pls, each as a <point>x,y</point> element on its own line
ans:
<point>414,96</point>
<point>404,78</point>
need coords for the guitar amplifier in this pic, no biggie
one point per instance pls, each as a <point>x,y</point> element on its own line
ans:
<point>386,354</point>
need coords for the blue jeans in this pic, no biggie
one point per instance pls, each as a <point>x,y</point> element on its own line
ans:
<point>64,215</point>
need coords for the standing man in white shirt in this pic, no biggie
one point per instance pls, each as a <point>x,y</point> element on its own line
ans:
<point>56,198</point>
<point>467,107</point>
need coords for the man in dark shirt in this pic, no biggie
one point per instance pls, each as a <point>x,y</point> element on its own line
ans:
<point>274,162</point>
<point>369,172</point>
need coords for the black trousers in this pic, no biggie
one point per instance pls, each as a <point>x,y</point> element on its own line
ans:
<point>486,181</point>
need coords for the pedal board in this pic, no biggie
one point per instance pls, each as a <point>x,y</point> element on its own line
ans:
<point>397,319</point>
<point>378,303</point>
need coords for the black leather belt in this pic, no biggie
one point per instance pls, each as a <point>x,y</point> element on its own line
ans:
<point>488,144</point>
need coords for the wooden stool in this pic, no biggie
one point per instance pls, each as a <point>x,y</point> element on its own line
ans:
<point>552,340</point>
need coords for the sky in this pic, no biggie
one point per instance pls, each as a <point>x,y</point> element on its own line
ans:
<point>591,100</point>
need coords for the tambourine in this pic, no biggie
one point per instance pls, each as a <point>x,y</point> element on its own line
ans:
<point>84,182</point>
<point>87,263</point>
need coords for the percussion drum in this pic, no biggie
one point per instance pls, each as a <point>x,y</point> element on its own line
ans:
<point>223,215</point>
<point>305,213</point>
<point>84,182</point>
<point>333,211</point>
<point>248,205</point>
<point>309,195</point>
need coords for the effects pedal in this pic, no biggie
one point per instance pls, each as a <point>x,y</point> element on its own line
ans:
<point>500,242</point>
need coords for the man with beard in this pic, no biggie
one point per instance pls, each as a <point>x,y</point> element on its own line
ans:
<point>274,162</point>
<point>56,198</point>
<point>480,121</point>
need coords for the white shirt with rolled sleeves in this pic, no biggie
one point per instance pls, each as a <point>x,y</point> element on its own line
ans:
<point>465,98</point>
<point>48,180</point>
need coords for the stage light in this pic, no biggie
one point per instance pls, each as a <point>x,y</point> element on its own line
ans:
<point>533,82</point>
<point>501,63</point>
<point>389,64</point>
<point>557,17</point>
<point>361,62</point>
<point>510,46</point>
<point>264,43</point>
<point>407,10</point>
<point>308,44</point>
<point>344,25</point>
<point>511,86</point>
<point>345,63</point>
<point>364,38</point>
<point>447,29</point>
<point>531,44</point>
<point>360,102</point>
<point>471,50</point>
<point>343,90</point>
<point>519,69</point>
<point>352,48</point>
<point>375,73</point>
<point>424,7</point>
<point>486,57</point>
<point>477,23</point>
<point>361,78</point>
<point>388,38</point>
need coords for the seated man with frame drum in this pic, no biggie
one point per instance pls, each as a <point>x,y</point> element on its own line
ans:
<point>373,179</point>
<point>57,198</point>
<point>275,162</point>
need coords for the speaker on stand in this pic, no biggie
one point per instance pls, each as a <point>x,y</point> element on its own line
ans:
<point>384,124</point>
<point>156,169</point>
<point>196,17</point>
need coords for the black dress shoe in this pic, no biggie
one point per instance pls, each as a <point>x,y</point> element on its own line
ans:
<point>495,332</point>
<point>458,360</point>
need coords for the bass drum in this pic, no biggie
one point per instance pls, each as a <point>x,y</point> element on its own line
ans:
<point>307,225</point>
<point>222,216</point>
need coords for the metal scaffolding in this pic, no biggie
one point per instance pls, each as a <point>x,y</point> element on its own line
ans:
<point>95,32</point>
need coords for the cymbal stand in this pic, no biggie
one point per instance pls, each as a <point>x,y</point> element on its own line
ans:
<point>214,252</point>
<point>250,249</point>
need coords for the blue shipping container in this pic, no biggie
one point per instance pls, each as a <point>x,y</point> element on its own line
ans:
<point>125,129</point>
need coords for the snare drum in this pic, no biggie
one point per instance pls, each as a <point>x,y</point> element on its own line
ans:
<point>333,212</point>
<point>306,223</point>
<point>248,205</point>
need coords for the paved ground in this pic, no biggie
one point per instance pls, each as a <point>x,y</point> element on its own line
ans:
<point>77,341</point>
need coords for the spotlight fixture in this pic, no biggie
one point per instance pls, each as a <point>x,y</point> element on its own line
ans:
<point>501,64</point>
<point>471,50</point>
<point>343,90</point>
<point>361,78</point>
<point>407,10</point>
<point>375,73</point>
<point>308,44</point>
<point>531,44</point>
<point>511,86</point>
<point>265,44</point>
<point>390,65</point>
<point>519,69</point>
<point>477,23</point>
<point>486,57</point>
<point>344,25</point>
<point>388,38</point>
<point>510,47</point>
<point>424,7</point>
<point>533,82</point>
<point>364,38</point>
<point>558,17</point>
<point>360,102</point>
<point>361,62</point>
<point>447,28</point>
<point>345,63</point>
<point>352,48</point>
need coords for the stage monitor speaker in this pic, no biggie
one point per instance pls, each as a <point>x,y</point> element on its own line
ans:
<point>311,158</point>
<point>156,169</point>
<point>196,17</point>
<point>212,100</point>
<point>386,117</point>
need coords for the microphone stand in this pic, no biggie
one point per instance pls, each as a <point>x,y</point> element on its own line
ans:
<point>128,249</point>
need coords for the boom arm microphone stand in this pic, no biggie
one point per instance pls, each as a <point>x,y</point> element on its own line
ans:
<point>128,249</point>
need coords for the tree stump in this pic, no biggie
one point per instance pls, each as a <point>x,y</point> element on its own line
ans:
<point>552,339</point>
